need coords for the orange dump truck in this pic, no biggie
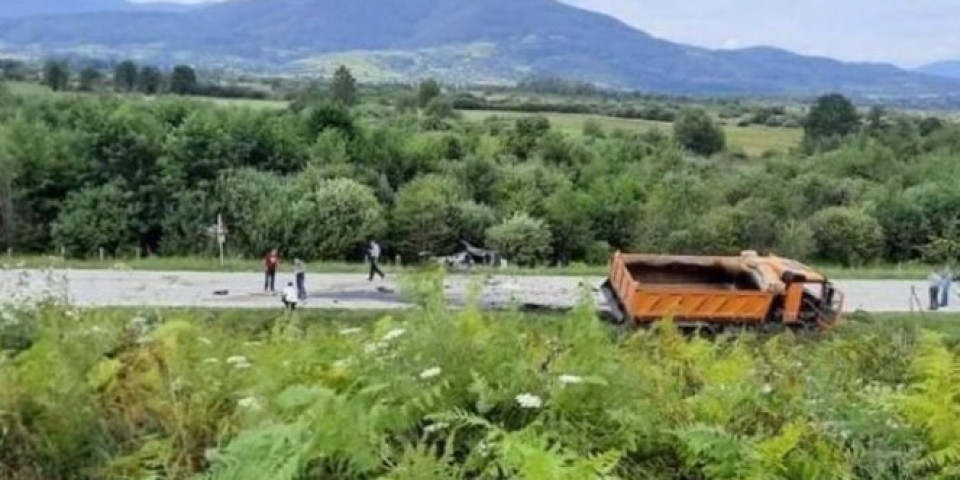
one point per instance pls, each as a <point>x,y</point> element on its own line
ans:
<point>718,292</point>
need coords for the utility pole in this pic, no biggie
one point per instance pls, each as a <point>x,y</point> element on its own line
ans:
<point>221,236</point>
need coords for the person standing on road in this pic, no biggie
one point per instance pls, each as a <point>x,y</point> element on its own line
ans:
<point>373,255</point>
<point>934,281</point>
<point>300,270</point>
<point>946,283</point>
<point>270,264</point>
<point>290,297</point>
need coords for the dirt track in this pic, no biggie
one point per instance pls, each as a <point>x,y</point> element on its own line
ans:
<point>347,291</point>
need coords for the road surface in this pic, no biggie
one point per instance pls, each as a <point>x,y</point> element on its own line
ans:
<point>97,288</point>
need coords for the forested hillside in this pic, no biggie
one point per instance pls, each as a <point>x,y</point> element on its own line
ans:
<point>318,179</point>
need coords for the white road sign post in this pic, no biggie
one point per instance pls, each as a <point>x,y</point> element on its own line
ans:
<point>221,236</point>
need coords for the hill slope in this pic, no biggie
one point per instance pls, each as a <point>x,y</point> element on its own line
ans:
<point>24,8</point>
<point>947,69</point>
<point>518,38</point>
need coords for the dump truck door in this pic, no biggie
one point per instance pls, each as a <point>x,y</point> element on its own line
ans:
<point>791,304</point>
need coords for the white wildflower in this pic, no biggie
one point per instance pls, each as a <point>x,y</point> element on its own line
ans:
<point>211,454</point>
<point>374,347</point>
<point>239,362</point>
<point>72,314</point>
<point>350,331</point>
<point>237,359</point>
<point>343,363</point>
<point>436,427</point>
<point>570,379</point>
<point>211,360</point>
<point>205,341</point>
<point>430,373</point>
<point>483,448</point>
<point>252,344</point>
<point>249,403</point>
<point>137,322</point>
<point>528,400</point>
<point>767,388</point>
<point>394,334</point>
<point>9,318</point>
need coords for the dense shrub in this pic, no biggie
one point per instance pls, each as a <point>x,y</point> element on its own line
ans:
<point>94,218</point>
<point>699,133</point>
<point>425,216</point>
<point>522,239</point>
<point>847,236</point>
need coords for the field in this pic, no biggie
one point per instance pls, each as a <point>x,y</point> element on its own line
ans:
<point>29,89</point>
<point>434,394</point>
<point>754,141</point>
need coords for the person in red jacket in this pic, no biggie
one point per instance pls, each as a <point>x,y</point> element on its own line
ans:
<point>270,264</point>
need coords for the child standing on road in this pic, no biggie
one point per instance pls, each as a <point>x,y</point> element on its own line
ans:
<point>270,264</point>
<point>290,297</point>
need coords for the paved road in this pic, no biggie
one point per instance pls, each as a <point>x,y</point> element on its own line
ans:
<point>347,291</point>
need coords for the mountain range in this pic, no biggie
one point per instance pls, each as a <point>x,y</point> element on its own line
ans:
<point>462,41</point>
<point>947,68</point>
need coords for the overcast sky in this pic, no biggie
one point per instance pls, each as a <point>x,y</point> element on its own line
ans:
<point>905,32</point>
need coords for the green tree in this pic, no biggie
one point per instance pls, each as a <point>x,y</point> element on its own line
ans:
<point>427,91</point>
<point>337,217</point>
<point>126,76</point>
<point>343,87</point>
<point>847,236</point>
<point>473,220</point>
<point>526,134</point>
<point>832,116</point>
<point>197,152</point>
<point>90,79</point>
<point>151,80</point>
<point>440,107</point>
<point>258,209</point>
<point>186,222</point>
<point>522,239</point>
<point>697,132</point>
<point>56,74</point>
<point>795,239</point>
<point>425,216</point>
<point>183,80</point>
<point>570,215</point>
<point>94,218</point>
<point>330,116</point>
<point>8,220</point>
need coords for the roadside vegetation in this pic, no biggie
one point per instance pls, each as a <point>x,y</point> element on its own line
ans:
<point>431,393</point>
<point>133,173</point>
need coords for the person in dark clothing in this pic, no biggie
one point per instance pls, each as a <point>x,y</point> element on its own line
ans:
<point>946,284</point>
<point>300,270</point>
<point>934,280</point>
<point>373,255</point>
<point>270,264</point>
